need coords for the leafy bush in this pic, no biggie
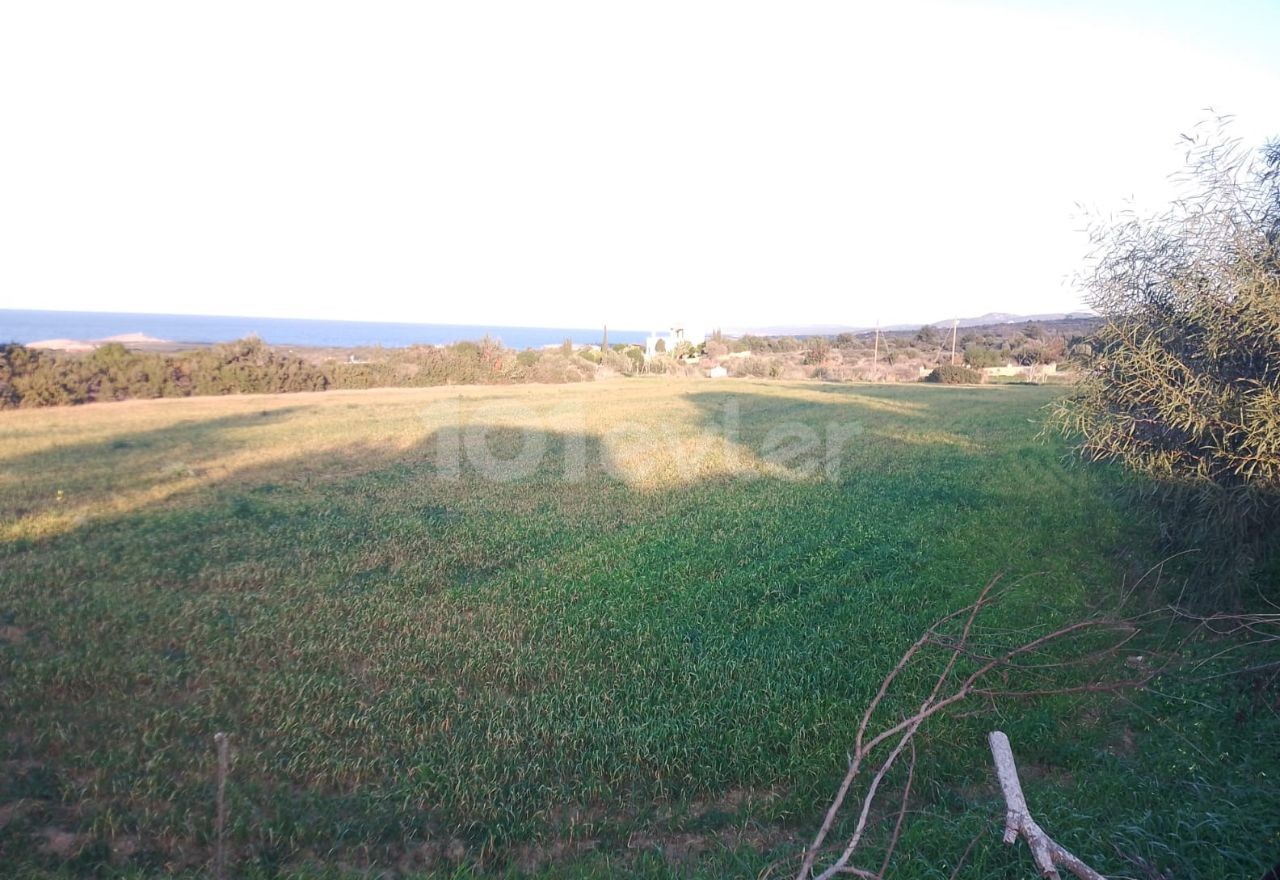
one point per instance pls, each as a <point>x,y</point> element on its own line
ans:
<point>757,367</point>
<point>954,374</point>
<point>978,356</point>
<point>246,366</point>
<point>112,372</point>
<point>9,396</point>
<point>34,378</point>
<point>1184,387</point>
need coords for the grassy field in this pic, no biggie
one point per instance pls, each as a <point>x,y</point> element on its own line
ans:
<point>613,628</point>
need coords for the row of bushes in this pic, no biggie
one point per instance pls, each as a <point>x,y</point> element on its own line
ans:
<point>32,377</point>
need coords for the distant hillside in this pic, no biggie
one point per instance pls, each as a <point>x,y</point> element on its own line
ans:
<point>989,320</point>
<point>1065,326</point>
<point>992,324</point>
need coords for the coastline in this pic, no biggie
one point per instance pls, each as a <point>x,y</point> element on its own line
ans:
<point>159,332</point>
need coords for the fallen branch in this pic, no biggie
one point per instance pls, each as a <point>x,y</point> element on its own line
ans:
<point>220,807</point>
<point>1046,851</point>
<point>968,670</point>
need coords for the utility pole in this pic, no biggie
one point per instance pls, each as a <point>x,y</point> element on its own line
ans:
<point>875,357</point>
<point>604,346</point>
<point>954,327</point>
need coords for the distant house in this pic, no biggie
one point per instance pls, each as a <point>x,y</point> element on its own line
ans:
<point>1030,371</point>
<point>717,372</point>
<point>657,343</point>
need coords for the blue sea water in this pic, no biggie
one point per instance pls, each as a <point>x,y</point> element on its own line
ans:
<point>22,325</point>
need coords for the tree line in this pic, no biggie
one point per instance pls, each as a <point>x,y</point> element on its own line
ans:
<point>34,377</point>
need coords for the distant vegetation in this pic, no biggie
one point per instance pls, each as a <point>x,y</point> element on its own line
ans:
<point>30,377</point>
<point>34,377</point>
<point>906,355</point>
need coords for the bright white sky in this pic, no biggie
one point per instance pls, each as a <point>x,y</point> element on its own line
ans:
<point>572,164</point>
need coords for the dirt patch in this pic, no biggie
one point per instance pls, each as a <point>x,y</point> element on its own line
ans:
<point>14,635</point>
<point>733,800</point>
<point>1123,745</point>
<point>680,848</point>
<point>20,765</point>
<point>62,844</point>
<point>15,810</point>
<point>978,792</point>
<point>124,848</point>
<point>532,857</point>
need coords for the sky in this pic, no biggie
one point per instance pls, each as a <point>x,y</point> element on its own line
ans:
<point>735,164</point>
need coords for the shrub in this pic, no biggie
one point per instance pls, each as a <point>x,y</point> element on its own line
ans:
<point>1184,386</point>
<point>978,356</point>
<point>556,368</point>
<point>247,366</point>
<point>954,374</point>
<point>818,352</point>
<point>661,363</point>
<point>758,367</point>
<point>13,358</point>
<point>620,363</point>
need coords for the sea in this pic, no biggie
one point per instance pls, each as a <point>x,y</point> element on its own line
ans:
<point>22,325</point>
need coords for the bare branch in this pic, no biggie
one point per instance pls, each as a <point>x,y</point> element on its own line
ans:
<point>1046,851</point>
<point>948,689</point>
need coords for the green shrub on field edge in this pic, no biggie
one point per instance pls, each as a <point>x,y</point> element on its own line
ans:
<point>1184,385</point>
<point>954,374</point>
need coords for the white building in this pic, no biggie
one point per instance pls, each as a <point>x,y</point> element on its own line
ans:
<point>1031,371</point>
<point>677,334</point>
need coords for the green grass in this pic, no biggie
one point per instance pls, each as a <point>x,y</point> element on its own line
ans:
<point>652,667</point>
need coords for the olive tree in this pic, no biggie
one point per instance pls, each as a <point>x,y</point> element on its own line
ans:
<point>1185,386</point>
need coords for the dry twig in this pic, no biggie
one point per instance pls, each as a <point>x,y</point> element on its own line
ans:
<point>946,692</point>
